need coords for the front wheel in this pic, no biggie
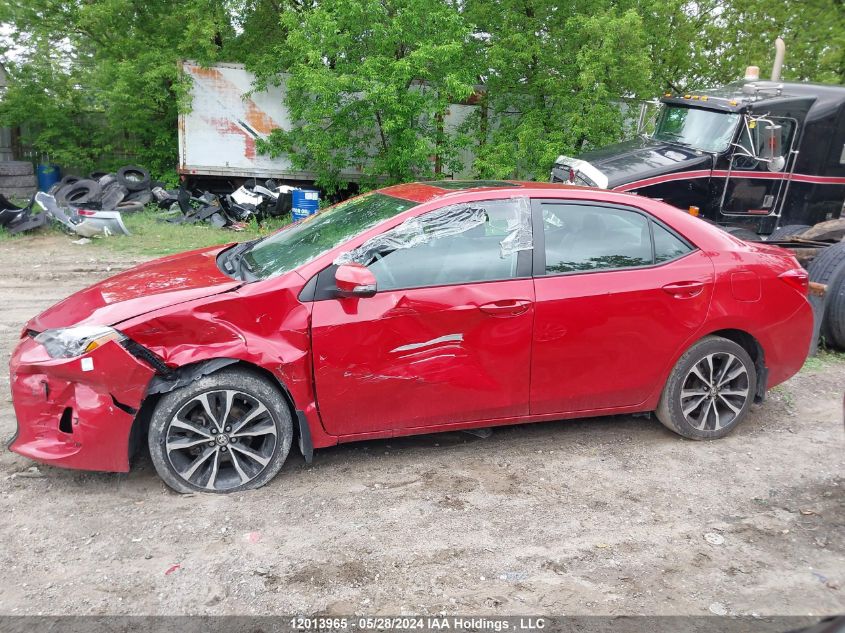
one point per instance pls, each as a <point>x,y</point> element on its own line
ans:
<point>709,391</point>
<point>227,431</point>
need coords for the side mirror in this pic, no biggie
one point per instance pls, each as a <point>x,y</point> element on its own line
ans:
<point>772,152</point>
<point>355,280</point>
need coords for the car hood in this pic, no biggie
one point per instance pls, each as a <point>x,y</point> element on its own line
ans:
<point>623,163</point>
<point>150,286</point>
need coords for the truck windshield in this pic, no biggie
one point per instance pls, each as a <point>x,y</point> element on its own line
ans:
<point>706,130</point>
<point>302,242</point>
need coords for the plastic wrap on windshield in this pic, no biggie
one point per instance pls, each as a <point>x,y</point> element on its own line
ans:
<point>445,222</point>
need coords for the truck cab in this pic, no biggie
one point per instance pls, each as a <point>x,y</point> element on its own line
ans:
<point>751,154</point>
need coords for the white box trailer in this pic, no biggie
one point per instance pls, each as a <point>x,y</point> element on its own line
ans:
<point>217,137</point>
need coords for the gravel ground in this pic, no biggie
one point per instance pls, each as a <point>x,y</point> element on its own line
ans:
<point>601,516</point>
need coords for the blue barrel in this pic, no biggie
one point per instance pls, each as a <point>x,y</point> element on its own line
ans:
<point>48,175</point>
<point>305,202</point>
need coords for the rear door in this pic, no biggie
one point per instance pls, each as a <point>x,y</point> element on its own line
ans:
<point>617,295</point>
<point>447,337</point>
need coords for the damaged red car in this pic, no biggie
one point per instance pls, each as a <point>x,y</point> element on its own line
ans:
<point>412,309</point>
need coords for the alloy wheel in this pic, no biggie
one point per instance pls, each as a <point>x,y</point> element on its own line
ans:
<point>714,391</point>
<point>221,439</point>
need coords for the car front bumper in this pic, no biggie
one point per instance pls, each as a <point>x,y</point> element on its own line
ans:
<point>76,412</point>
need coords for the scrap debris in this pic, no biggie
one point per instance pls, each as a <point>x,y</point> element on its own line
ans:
<point>231,211</point>
<point>85,206</point>
<point>93,206</point>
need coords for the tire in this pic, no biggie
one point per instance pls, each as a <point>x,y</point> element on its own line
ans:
<point>834,318</point>
<point>700,423</point>
<point>742,233</point>
<point>79,192</point>
<point>179,468</point>
<point>144,196</point>
<point>828,267</point>
<point>112,196</point>
<point>787,230</point>
<point>16,168</point>
<point>18,181</point>
<point>106,180</point>
<point>97,175</point>
<point>69,180</point>
<point>130,206</point>
<point>133,177</point>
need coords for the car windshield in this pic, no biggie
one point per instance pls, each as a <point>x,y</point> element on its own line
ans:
<point>706,130</point>
<point>308,239</point>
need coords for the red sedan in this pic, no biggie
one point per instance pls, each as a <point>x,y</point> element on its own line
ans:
<point>412,309</point>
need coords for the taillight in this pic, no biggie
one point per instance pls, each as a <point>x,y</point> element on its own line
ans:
<point>798,279</point>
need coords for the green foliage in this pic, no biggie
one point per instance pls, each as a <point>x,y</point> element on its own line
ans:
<point>555,80</point>
<point>98,82</point>
<point>739,33</point>
<point>370,82</point>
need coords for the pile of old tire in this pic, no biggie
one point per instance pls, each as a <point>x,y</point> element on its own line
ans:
<point>127,190</point>
<point>828,267</point>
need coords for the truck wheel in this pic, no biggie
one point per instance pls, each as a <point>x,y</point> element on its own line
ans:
<point>836,309</point>
<point>742,233</point>
<point>828,267</point>
<point>787,230</point>
<point>228,431</point>
<point>709,391</point>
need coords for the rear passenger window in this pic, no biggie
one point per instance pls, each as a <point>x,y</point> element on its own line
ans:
<point>581,237</point>
<point>666,245</point>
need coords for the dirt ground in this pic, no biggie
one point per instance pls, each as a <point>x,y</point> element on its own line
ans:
<point>599,516</point>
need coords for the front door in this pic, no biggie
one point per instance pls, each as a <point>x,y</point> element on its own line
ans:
<point>612,309</point>
<point>447,337</point>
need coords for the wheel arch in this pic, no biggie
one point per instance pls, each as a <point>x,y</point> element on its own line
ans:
<point>191,372</point>
<point>755,350</point>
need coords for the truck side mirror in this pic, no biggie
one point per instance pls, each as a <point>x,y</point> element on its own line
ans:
<point>771,151</point>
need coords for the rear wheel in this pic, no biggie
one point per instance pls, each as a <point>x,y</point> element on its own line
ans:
<point>709,391</point>
<point>227,431</point>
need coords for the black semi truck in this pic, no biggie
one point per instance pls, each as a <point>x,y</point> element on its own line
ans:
<point>763,159</point>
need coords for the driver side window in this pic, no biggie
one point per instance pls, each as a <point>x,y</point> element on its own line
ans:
<point>473,242</point>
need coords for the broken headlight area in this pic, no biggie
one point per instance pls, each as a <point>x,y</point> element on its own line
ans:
<point>77,412</point>
<point>71,342</point>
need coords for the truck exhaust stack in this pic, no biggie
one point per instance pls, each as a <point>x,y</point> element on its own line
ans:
<point>780,51</point>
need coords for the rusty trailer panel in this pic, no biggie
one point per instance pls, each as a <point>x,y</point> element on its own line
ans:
<point>220,134</point>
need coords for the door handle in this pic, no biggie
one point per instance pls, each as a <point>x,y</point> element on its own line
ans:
<point>684,289</point>
<point>506,307</point>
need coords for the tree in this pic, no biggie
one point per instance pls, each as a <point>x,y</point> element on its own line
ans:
<point>742,33</point>
<point>369,84</point>
<point>98,82</point>
<point>555,78</point>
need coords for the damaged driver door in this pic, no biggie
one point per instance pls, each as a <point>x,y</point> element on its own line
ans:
<point>446,336</point>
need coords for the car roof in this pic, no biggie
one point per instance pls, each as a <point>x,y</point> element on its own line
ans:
<point>427,191</point>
